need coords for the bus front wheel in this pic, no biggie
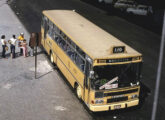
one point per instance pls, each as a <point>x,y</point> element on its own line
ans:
<point>51,58</point>
<point>78,91</point>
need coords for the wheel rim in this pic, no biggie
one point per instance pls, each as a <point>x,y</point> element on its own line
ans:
<point>79,92</point>
<point>51,58</point>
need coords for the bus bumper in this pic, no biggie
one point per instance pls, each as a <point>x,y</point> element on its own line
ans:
<point>97,108</point>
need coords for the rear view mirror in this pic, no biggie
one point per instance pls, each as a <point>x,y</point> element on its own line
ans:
<point>91,74</point>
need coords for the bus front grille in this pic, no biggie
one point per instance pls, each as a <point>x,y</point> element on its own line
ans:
<point>120,92</point>
<point>117,99</point>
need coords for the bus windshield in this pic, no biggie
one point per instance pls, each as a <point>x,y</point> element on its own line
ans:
<point>115,76</point>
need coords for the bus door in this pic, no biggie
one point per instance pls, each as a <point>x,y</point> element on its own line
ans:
<point>86,82</point>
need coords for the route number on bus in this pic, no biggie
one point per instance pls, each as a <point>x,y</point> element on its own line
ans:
<point>119,49</point>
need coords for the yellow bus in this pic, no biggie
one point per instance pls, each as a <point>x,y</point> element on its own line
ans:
<point>104,71</point>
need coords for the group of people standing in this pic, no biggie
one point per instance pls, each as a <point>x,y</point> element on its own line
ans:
<point>22,44</point>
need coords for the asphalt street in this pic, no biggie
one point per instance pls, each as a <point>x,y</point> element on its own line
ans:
<point>50,97</point>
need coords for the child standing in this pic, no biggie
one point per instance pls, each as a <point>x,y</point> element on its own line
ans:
<point>24,47</point>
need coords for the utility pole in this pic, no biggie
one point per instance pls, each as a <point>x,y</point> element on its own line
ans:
<point>159,70</point>
<point>36,62</point>
<point>35,48</point>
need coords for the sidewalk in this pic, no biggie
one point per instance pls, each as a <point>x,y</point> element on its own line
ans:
<point>9,24</point>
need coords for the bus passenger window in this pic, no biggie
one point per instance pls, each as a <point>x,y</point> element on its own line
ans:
<point>59,40</point>
<point>57,30</point>
<point>56,38</point>
<point>80,51</point>
<point>68,48</point>
<point>80,62</point>
<point>63,35</point>
<point>62,44</point>
<point>50,24</point>
<point>69,41</point>
<point>65,47</point>
<point>42,22</point>
<point>73,57</point>
<point>82,67</point>
<point>70,53</point>
<point>60,32</point>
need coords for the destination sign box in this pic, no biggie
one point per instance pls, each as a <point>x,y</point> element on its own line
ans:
<point>119,49</point>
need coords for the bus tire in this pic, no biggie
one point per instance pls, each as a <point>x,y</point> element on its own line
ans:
<point>78,91</point>
<point>51,58</point>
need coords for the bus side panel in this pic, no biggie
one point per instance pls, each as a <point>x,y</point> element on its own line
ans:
<point>65,64</point>
<point>65,72</point>
<point>42,40</point>
<point>48,45</point>
<point>68,75</point>
<point>54,57</point>
<point>74,70</point>
<point>54,50</point>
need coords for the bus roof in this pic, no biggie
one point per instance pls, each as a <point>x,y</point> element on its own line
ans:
<point>93,40</point>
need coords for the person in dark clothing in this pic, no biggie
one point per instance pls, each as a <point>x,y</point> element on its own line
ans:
<point>32,43</point>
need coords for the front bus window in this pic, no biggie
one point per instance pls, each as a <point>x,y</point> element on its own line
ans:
<point>116,76</point>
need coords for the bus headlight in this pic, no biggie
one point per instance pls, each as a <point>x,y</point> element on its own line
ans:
<point>136,58</point>
<point>99,101</point>
<point>134,96</point>
<point>99,94</point>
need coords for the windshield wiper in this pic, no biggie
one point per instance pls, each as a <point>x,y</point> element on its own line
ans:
<point>109,82</point>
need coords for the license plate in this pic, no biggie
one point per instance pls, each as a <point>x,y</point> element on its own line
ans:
<point>117,106</point>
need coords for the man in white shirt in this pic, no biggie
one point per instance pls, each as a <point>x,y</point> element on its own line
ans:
<point>3,41</point>
<point>12,46</point>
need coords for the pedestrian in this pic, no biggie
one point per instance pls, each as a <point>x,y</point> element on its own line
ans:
<point>12,42</point>
<point>32,43</point>
<point>24,47</point>
<point>4,46</point>
<point>21,38</point>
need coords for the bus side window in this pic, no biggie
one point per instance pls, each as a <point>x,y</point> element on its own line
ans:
<point>53,34</point>
<point>69,51</point>
<point>73,56</point>
<point>80,62</point>
<point>73,44</point>
<point>65,46</point>
<point>44,21</point>
<point>63,35</point>
<point>50,31</point>
<point>80,52</point>
<point>56,29</point>
<point>62,44</point>
<point>56,38</point>
<point>46,26</point>
<point>59,40</point>
<point>60,32</point>
<point>82,66</point>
